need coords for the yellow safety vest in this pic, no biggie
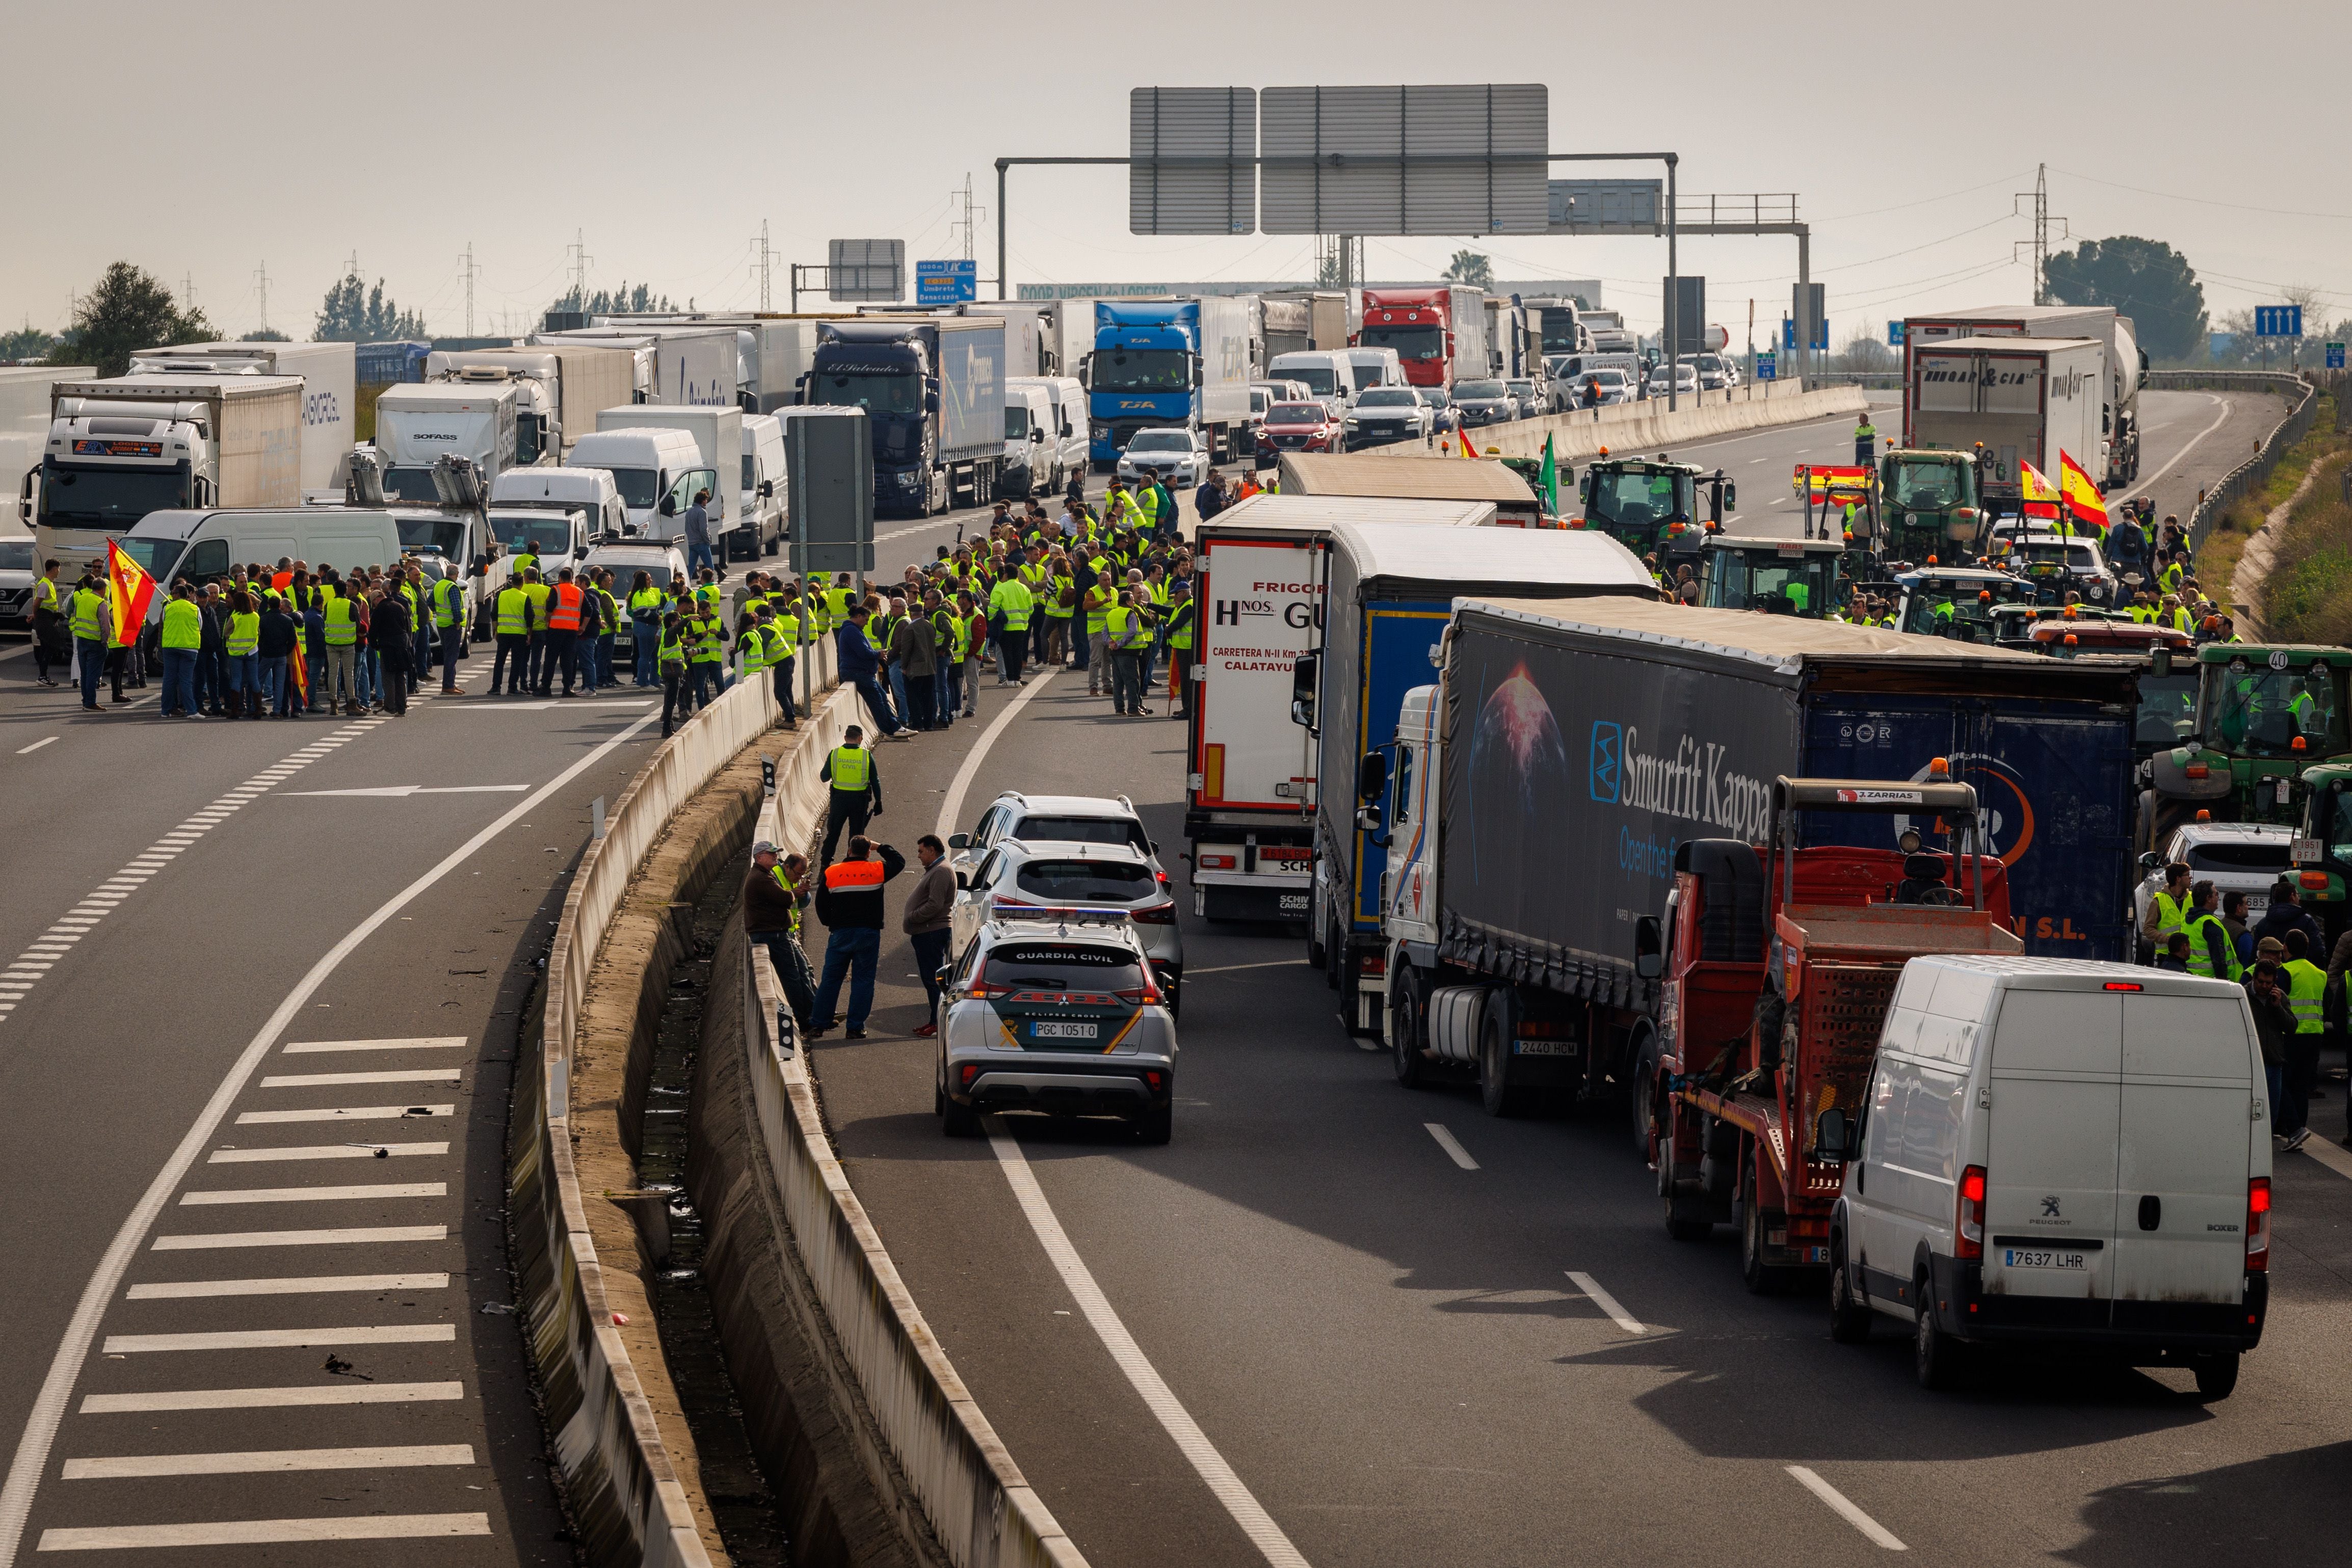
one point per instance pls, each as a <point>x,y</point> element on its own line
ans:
<point>88,605</point>
<point>184,625</point>
<point>2201,956</point>
<point>513,611</point>
<point>706,640</point>
<point>342,625</point>
<point>244,633</point>
<point>1012,597</point>
<point>448,595</point>
<point>2171,916</point>
<point>537,594</point>
<point>853,769</point>
<point>750,652</point>
<point>778,646</point>
<point>791,898</point>
<point>2307,991</point>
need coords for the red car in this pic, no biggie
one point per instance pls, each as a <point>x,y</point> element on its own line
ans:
<point>1300,427</point>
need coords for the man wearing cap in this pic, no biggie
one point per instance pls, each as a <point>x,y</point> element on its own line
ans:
<point>774,897</point>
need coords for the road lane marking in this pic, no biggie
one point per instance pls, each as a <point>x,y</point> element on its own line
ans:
<point>1451,1145</point>
<point>280,1339</point>
<point>416,1076</point>
<point>333,1238</point>
<point>268,1462</point>
<point>2329,1154</point>
<point>45,740</point>
<point>402,791</point>
<point>1175,1419</point>
<point>952,802</point>
<point>266,1532</point>
<point>1844,1509</point>
<point>31,1458</point>
<point>316,1194</point>
<point>2175,460</point>
<point>347,1114</point>
<point>270,1399</point>
<point>1606,1302</point>
<point>306,1285</point>
<point>1230,968</point>
<point>419,1042</point>
<point>325,1151</point>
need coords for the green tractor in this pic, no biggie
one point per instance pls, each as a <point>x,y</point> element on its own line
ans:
<point>1778,576</point>
<point>2264,718</point>
<point>2322,848</point>
<point>1646,504</point>
<point>1928,506</point>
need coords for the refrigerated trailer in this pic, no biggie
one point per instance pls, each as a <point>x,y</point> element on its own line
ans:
<point>2024,400</point>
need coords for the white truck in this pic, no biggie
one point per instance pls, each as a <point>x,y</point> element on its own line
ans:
<point>717,435</point>
<point>123,446</point>
<point>418,422</point>
<point>559,388</point>
<point>772,351</point>
<point>330,374</point>
<point>696,363</point>
<point>25,422</point>
<point>1069,336</point>
<point>2125,369</point>
<point>2023,399</point>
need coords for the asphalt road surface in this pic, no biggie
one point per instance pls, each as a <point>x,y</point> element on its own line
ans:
<point>1339,1321</point>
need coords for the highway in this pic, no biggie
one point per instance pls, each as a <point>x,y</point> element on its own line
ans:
<point>249,957</point>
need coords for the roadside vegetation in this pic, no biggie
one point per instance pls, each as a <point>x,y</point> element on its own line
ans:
<point>2217,559</point>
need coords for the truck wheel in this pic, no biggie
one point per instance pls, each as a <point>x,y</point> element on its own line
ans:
<point>1680,1226</point>
<point>1760,1277</point>
<point>1641,1094</point>
<point>1849,1314</point>
<point>1936,1356</point>
<point>1319,956</point>
<point>1495,1088</point>
<point>2216,1375</point>
<point>1405,1027</point>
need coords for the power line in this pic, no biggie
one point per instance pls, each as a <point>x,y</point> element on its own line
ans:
<point>2208,201</point>
<point>1923,201</point>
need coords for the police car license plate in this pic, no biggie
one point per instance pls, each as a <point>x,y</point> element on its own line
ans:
<point>2023,1258</point>
<point>1048,1031</point>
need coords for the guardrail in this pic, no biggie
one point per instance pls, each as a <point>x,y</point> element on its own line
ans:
<point>2246,475</point>
<point>625,1498</point>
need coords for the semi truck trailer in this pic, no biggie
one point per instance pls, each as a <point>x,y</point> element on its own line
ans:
<point>1158,363</point>
<point>2125,369</point>
<point>2023,400</point>
<point>933,391</point>
<point>330,390</point>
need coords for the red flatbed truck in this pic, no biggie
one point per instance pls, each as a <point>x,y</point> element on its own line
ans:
<point>1776,970</point>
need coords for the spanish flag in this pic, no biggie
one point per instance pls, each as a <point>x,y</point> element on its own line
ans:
<point>2081,497</point>
<point>2040,497</point>
<point>134,591</point>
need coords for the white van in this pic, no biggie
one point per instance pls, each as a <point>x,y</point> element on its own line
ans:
<point>2058,1153</point>
<point>1028,464</point>
<point>1069,437</point>
<point>200,546</point>
<point>1377,368</point>
<point>656,470</point>
<point>1328,373</point>
<point>588,490</point>
<point>760,528</point>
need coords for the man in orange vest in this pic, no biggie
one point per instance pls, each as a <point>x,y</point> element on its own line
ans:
<point>562,631</point>
<point>849,901</point>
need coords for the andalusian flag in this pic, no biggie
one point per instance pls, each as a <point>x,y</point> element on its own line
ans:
<point>134,591</point>
<point>1549,478</point>
<point>2081,497</point>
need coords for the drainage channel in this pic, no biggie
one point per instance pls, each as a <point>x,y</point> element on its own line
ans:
<point>741,1502</point>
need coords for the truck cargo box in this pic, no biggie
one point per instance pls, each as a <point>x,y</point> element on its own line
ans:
<point>1585,742</point>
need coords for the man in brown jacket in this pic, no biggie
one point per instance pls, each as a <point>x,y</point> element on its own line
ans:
<point>926,922</point>
<point>774,897</point>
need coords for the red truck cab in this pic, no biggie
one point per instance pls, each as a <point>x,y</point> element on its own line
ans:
<point>1776,969</point>
<point>1418,324</point>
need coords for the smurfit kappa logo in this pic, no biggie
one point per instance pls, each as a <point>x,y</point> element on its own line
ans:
<point>1603,768</point>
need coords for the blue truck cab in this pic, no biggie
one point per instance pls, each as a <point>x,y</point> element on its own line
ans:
<point>1181,362</point>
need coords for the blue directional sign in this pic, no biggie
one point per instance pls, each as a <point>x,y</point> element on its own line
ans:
<point>2278,321</point>
<point>1895,334</point>
<point>1789,333</point>
<point>2335,356</point>
<point>946,282</point>
<point>1767,366</point>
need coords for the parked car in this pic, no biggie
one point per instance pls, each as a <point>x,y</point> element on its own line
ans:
<point>1386,414</point>
<point>1170,454</point>
<point>1686,381</point>
<point>16,574</point>
<point>1445,420</point>
<point>1090,1029</point>
<point>1608,384</point>
<point>1484,402</point>
<point>664,562</point>
<point>2235,857</point>
<point>1065,874</point>
<point>2060,1156</point>
<point>1530,399</point>
<point>1300,427</point>
<point>2039,555</point>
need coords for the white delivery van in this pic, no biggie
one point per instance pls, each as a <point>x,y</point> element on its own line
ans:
<point>718,433</point>
<point>591,491</point>
<point>1377,368</point>
<point>200,546</point>
<point>1069,437</point>
<point>657,471</point>
<point>761,530</point>
<point>555,533</point>
<point>2058,1154</point>
<point>1030,440</point>
<point>1328,373</point>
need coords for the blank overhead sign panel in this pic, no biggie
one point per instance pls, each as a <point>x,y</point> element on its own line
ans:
<point>866,269</point>
<point>1404,160</point>
<point>1190,152</point>
<point>1606,207</point>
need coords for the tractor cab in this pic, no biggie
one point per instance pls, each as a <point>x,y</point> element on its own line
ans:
<point>1776,577</point>
<point>1650,506</point>
<point>2264,716</point>
<point>1958,602</point>
<point>1928,503</point>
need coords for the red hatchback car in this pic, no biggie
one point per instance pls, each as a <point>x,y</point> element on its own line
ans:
<point>1300,427</point>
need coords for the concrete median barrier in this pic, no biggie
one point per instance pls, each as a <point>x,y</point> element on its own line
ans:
<point>1646,426</point>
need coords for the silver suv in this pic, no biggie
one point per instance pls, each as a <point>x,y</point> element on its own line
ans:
<point>1047,874</point>
<point>1075,819</point>
<point>1055,1013</point>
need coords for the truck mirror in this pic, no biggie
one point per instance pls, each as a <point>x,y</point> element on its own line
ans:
<point>1302,690</point>
<point>1649,948</point>
<point>1731,496</point>
<point>1197,367</point>
<point>1371,776</point>
<point>767,489</point>
<point>2151,861</point>
<point>1367,819</point>
<point>931,402</point>
<point>668,507</point>
<point>1584,487</point>
<point>1830,1133</point>
<point>1067,431</point>
<point>2160,662</point>
<point>1037,436</point>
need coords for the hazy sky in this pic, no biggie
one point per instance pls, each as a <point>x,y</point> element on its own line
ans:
<point>293,136</point>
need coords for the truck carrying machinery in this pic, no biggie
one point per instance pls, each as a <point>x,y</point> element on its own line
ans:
<point>1439,334</point>
<point>1547,792</point>
<point>2124,369</point>
<point>2023,400</point>
<point>122,446</point>
<point>933,391</point>
<point>1162,362</point>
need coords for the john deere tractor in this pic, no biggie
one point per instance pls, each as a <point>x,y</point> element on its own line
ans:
<point>1647,504</point>
<point>2264,716</point>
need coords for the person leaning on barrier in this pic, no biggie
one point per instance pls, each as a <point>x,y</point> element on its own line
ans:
<point>774,893</point>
